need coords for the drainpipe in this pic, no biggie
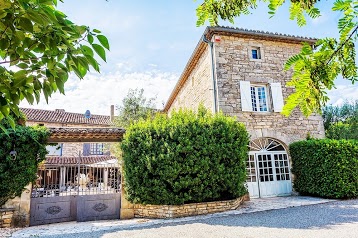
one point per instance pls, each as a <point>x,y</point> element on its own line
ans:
<point>211,46</point>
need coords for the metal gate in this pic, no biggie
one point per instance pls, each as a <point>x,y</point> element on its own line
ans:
<point>82,191</point>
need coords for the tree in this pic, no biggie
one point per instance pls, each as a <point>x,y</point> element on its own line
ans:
<point>135,107</point>
<point>314,69</point>
<point>39,48</point>
<point>341,122</point>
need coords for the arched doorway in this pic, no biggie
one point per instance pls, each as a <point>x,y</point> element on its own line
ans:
<point>268,169</point>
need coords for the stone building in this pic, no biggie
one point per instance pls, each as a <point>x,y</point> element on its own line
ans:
<point>241,73</point>
<point>59,118</point>
<point>70,169</point>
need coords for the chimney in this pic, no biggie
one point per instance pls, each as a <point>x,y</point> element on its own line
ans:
<point>59,110</point>
<point>112,113</point>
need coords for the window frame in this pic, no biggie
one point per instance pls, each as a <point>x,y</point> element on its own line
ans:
<point>260,52</point>
<point>96,149</point>
<point>257,98</point>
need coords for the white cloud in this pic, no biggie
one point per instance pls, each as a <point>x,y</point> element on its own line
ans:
<point>320,20</point>
<point>343,93</point>
<point>97,92</point>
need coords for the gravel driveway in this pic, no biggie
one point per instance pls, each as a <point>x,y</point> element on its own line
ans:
<point>333,219</point>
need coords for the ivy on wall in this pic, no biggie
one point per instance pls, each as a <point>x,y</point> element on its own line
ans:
<point>21,150</point>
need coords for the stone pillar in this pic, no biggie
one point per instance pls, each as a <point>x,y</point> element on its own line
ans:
<point>21,206</point>
<point>127,208</point>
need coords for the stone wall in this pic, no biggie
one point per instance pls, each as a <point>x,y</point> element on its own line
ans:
<point>233,64</point>
<point>21,206</point>
<point>6,217</point>
<point>192,209</point>
<point>198,88</point>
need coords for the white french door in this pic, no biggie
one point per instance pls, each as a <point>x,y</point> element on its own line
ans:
<point>268,174</point>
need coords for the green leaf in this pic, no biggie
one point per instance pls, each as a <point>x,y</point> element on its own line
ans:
<point>100,51</point>
<point>87,50</point>
<point>90,38</point>
<point>97,31</point>
<point>22,66</point>
<point>26,24</point>
<point>104,41</point>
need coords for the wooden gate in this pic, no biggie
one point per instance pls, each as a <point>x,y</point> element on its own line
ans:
<point>82,191</point>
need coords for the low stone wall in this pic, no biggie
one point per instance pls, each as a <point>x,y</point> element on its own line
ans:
<point>191,209</point>
<point>6,217</point>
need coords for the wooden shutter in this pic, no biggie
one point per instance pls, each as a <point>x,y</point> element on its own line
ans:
<point>245,93</point>
<point>86,149</point>
<point>277,98</point>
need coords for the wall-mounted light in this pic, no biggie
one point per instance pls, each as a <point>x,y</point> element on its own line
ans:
<point>13,154</point>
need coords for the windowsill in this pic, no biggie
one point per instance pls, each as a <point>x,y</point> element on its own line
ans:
<point>260,113</point>
<point>256,60</point>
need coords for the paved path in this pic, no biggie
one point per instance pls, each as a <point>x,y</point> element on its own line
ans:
<point>257,211</point>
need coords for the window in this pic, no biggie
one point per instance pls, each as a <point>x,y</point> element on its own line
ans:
<point>255,53</point>
<point>256,97</point>
<point>259,99</point>
<point>54,150</point>
<point>96,148</point>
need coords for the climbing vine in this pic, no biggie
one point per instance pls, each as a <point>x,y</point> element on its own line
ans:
<point>21,150</point>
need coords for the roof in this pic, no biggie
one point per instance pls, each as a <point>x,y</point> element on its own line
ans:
<point>72,134</point>
<point>59,160</point>
<point>229,31</point>
<point>61,116</point>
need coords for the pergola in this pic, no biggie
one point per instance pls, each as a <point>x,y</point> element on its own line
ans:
<point>74,134</point>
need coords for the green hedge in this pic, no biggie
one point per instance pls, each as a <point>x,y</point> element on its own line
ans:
<point>326,168</point>
<point>185,158</point>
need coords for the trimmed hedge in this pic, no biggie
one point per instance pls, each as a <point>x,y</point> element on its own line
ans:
<point>186,158</point>
<point>326,168</point>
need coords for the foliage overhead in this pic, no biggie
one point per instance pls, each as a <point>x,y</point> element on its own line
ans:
<point>314,69</point>
<point>39,48</point>
<point>134,107</point>
<point>341,122</point>
<point>188,157</point>
<point>16,172</point>
<point>325,168</point>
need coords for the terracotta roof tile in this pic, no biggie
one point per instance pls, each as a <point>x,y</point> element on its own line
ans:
<point>59,160</point>
<point>61,116</point>
<point>73,134</point>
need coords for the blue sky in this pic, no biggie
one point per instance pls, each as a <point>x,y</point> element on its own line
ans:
<point>151,41</point>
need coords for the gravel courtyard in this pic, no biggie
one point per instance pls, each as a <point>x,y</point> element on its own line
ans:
<point>330,219</point>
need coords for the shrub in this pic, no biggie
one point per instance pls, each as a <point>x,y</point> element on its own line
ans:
<point>186,158</point>
<point>326,168</point>
<point>17,172</point>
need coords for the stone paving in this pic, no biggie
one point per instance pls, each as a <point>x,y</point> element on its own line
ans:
<point>255,205</point>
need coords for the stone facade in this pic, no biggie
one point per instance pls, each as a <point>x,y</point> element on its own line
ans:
<point>232,65</point>
<point>21,204</point>
<point>191,209</point>
<point>198,88</point>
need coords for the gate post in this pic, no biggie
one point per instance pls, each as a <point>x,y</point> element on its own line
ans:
<point>127,208</point>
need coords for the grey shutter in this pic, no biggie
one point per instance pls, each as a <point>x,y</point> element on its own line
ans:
<point>277,98</point>
<point>245,93</point>
<point>86,149</point>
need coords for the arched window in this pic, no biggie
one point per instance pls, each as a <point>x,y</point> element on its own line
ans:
<point>266,144</point>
